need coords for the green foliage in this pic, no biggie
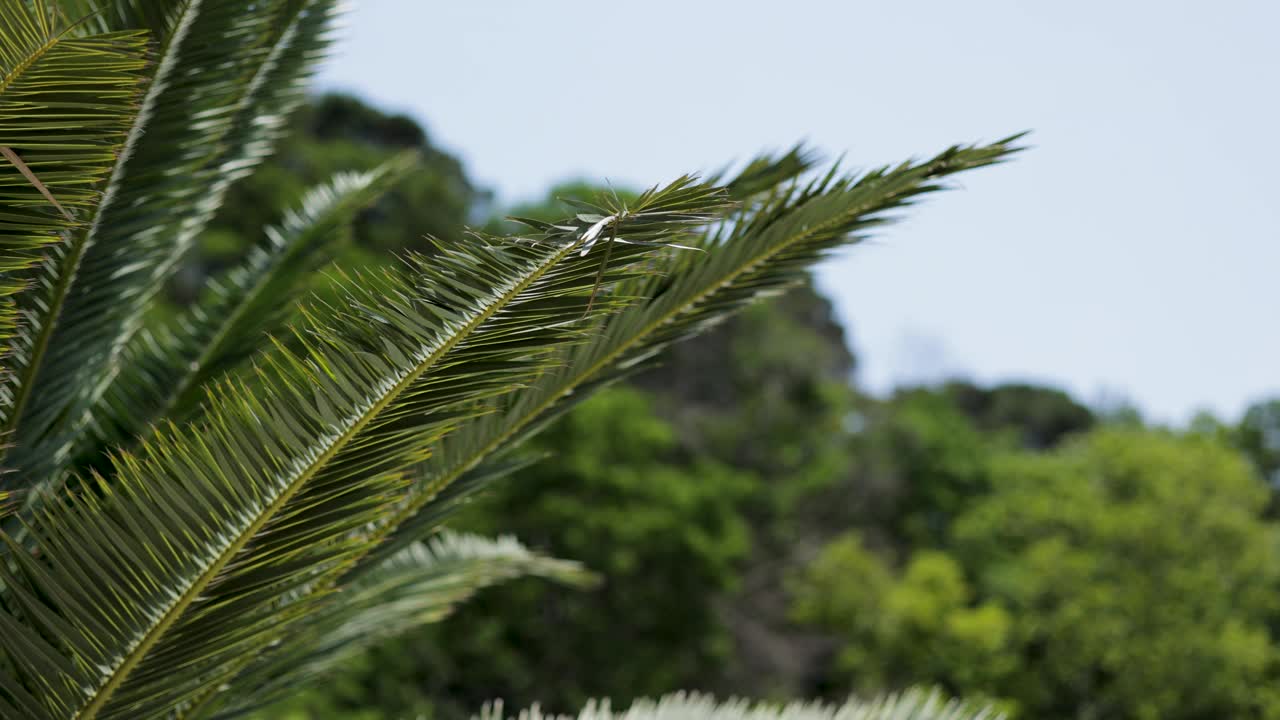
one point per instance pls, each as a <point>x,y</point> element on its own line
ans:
<point>179,356</point>
<point>190,141</point>
<point>1145,526</point>
<point>1258,435</point>
<point>1120,551</point>
<point>66,104</point>
<point>843,588</point>
<point>1038,417</point>
<point>927,460</point>
<point>921,625</point>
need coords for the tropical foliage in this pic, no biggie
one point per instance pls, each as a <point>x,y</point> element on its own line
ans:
<point>210,504</point>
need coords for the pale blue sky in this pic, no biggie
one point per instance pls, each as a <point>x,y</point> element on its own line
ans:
<point>1135,251</point>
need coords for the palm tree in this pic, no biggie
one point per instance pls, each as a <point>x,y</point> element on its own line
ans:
<point>204,511</point>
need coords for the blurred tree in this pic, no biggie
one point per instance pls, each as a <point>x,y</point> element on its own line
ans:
<point>923,461</point>
<point>923,624</point>
<point>770,394</point>
<point>1039,417</point>
<point>922,454</point>
<point>1126,574</point>
<point>1258,434</point>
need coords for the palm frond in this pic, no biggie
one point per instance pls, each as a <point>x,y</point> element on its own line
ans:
<point>66,103</point>
<point>189,560</point>
<point>766,172</point>
<point>165,374</point>
<point>761,252</point>
<point>226,74</point>
<point>914,704</point>
<point>848,206</point>
<point>157,17</point>
<point>420,585</point>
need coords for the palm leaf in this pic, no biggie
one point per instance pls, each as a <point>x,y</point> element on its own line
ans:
<point>226,74</point>
<point>165,376</point>
<point>761,252</point>
<point>766,172</point>
<point>910,705</point>
<point>66,103</point>
<point>420,585</point>
<point>161,582</point>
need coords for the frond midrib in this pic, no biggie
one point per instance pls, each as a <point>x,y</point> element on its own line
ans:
<point>501,439</point>
<point>136,654</point>
<point>130,324</point>
<point>32,58</point>
<point>42,339</point>
<point>83,239</point>
<point>38,347</point>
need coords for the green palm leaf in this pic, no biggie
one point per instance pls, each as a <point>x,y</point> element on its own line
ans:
<point>766,172</point>
<point>171,574</point>
<point>165,376</point>
<point>66,103</point>
<point>761,252</point>
<point>909,705</point>
<point>420,585</point>
<point>226,73</point>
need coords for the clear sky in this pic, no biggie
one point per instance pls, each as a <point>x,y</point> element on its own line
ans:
<point>1133,252</point>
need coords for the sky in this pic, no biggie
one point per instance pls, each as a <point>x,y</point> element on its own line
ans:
<point>1132,254</point>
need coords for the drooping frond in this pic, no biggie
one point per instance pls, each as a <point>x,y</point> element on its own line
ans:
<point>914,704</point>
<point>189,560</point>
<point>762,251</point>
<point>66,103</point>
<point>164,377</point>
<point>420,585</point>
<point>226,73</point>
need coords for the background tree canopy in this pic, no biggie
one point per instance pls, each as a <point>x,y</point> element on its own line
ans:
<point>763,528</point>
